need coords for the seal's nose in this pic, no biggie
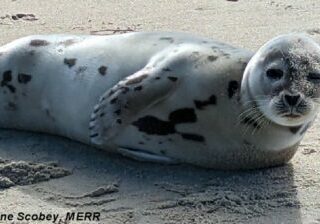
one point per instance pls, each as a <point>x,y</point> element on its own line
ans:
<point>291,99</point>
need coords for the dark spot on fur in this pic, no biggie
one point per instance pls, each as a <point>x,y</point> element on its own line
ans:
<point>11,106</point>
<point>141,143</point>
<point>119,121</point>
<point>294,130</point>
<point>6,77</point>
<point>68,42</point>
<point>124,89</point>
<point>39,43</point>
<point>96,109</point>
<point>170,39</point>
<point>94,135</point>
<point>11,88</point>
<point>102,114</point>
<point>157,78</point>
<point>81,69</point>
<point>154,126</point>
<point>114,100</point>
<point>24,78</point>
<point>195,53</point>
<point>163,152</point>
<point>70,61</point>
<point>232,88</point>
<point>214,47</point>
<point>110,93</point>
<point>137,79</point>
<point>32,52</point>
<point>160,143</point>
<point>103,70</point>
<point>193,137</point>
<point>244,65</point>
<point>118,112</point>
<point>184,115</point>
<point>138,88</point>
<point>251,121</point>
<point>247,143</point>
<point>172,78</point>
<point>166,70</point>
<point>201,104</point>
<point>212,58</point>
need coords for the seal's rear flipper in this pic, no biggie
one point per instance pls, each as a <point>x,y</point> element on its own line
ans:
<point>145,156</point>
<point>122,103</point>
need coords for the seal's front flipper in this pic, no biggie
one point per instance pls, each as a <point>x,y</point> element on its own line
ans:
<point>121,104</point>
<point>145,156</point>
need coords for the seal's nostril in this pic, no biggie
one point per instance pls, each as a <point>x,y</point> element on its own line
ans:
<point>291,100</point>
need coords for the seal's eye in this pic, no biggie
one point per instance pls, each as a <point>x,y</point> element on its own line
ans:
<point>274,73</point>
<point>314,77</point>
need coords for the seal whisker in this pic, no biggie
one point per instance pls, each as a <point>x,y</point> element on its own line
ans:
<point>259,121</point>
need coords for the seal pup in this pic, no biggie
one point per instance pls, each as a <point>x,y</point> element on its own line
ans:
<point>165,97</point>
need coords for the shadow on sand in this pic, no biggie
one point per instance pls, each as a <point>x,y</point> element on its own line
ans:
<point>155,193</point>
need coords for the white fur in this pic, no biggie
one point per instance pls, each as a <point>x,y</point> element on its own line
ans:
<point>60,99</point>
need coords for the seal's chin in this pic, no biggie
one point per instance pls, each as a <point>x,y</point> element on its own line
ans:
<point>289,120</point>
<point>287,117</point>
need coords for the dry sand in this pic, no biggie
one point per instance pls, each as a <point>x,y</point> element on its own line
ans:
<point>126,191</point>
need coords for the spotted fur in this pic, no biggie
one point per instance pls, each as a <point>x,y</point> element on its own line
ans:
<point>39,43</point>
<point>200,105</point>
<point>159,97</point>
<point>154,126</point>
<point>294,130</point>
<point>169,39</point>
<point>212,58</point>
<point>103,70</point>
<point>24,78</point>
<point>6,79</point>
<point>70,62</point>
<point>232,88</point>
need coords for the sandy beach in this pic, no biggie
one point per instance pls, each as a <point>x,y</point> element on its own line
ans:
<point>54,175</point>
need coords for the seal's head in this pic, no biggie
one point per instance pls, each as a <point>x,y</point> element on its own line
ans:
<point>283,79</point>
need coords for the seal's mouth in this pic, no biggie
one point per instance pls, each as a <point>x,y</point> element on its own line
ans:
<point>292,115</point>
<point>290,111</point>
<point>289,115</point>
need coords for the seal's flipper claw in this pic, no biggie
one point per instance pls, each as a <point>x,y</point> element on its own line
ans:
<point>122,103</point>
